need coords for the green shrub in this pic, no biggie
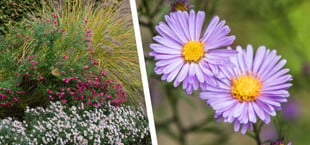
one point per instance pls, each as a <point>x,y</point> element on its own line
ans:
<point>15,10</point>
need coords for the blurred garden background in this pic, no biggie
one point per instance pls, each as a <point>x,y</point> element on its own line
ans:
<point>278,24</point>
<point>69,73</point>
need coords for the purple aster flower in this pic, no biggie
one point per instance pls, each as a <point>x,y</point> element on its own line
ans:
<point>254,88</point>
<point>184,55</point>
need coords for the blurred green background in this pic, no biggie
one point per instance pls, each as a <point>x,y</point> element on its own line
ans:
<point>278,24</point>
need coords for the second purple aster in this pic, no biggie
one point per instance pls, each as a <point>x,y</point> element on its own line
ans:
<point>252,90</point>
<point>185,54</point>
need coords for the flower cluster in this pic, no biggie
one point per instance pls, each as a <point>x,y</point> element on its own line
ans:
<point>61,125</point>
<point>9,97</point>
<point>239,85</point>
<point>83,84</point>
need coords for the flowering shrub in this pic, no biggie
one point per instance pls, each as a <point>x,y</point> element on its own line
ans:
<point>58,124</point>
<point>90,87</point>
<point>53,63</point>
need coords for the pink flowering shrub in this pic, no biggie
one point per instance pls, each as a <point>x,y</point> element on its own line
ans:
<point>45,62</point>
<point>85,84</point>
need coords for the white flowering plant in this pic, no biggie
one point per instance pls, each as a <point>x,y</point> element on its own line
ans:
<point>59,124</point>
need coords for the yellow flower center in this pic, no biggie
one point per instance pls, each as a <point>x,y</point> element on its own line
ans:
<point>246,88</point>
<point>181,7</point>
<point>193,51</point>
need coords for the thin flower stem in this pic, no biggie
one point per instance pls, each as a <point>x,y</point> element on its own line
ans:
<point>256,131</point>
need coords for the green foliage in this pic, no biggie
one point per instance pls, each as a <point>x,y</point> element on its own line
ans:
<point>15,10</point>
<point>113,38</point>
<point>45,56</point>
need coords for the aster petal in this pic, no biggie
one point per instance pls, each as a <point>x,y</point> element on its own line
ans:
<point>169,43</point>
<point>238,109</point>
<point>236,126</point>
<point>159,70</point>
<point>169,68</point>
<point>252,116</point>
<point>217,60</point>
<point>222,52</point>
<point>258,111</point>
<point>244,118</point>
<point>164,50</point>
<point>267,108</point>
<point>206,68</point>
<point>192,24</point>
<point>279,93</point>
<point>244,128</point>
<point>220,42</point>
<point>210,28</point>
<point>268,101</point>
<point>241,59</point>
<point>166,32</point>
<point>212,95</point>
<point>277,87</point>
<point>199,73</point>
<point>182,75</point>
<point>270,61</point>
<point>276,69</point>
<point>259,57</point>
<point>175,28</point>
<point>174,73</point>
<point>278,81</point>
<point>199,24</point>
<point>182,20</point>
<point>277,75</point>
<point>165,62</point>
<point>164,56</point>
<point>249,58</point>
<point>164,77</point>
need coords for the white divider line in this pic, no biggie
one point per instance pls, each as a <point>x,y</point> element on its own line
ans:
<point>143,71</point>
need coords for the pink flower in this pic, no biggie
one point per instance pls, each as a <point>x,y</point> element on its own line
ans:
<point>90,103</point>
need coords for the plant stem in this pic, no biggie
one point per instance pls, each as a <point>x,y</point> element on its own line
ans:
<point>257,128</point>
